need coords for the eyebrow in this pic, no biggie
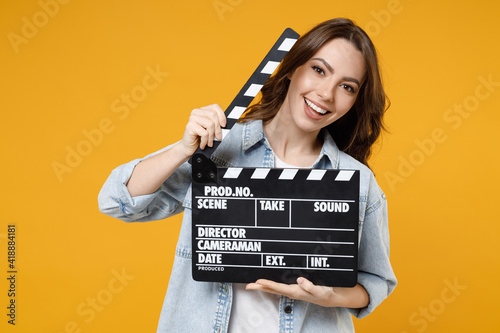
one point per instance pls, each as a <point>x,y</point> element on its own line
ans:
<point>327,65</point>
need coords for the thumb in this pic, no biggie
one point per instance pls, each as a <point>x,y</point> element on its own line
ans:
<point>305,284</point>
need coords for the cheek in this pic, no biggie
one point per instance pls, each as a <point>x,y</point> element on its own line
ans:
<point>344,103</point>
<point>302,82</point>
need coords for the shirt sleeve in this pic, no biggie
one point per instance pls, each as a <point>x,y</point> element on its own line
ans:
<point>375,272</point>
<point>115,200</point>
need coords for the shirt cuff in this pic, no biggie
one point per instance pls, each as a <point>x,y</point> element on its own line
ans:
<point>116,201</point>
<point>377,288</point>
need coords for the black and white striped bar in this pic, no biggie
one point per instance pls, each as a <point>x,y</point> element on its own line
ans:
<point>289,174</point>
<point>278,224</point>
<point>252,87</point>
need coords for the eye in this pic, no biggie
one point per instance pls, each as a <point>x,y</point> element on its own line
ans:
<point>348,88</point>
<point>318,70</point>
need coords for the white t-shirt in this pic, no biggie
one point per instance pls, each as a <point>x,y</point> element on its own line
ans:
<point>253,310</point>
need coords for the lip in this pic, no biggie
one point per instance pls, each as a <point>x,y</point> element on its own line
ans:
<point>313,114</point>
<point>318,105</point>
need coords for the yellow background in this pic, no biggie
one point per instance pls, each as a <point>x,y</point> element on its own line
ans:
<point>439,168</point>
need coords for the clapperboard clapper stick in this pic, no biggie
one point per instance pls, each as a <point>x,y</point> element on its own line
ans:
<point>278,224</point>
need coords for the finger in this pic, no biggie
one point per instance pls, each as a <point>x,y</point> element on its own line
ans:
<point>220,115</point>
<point>306,285</point>
<point>205,128</point>
<point>280,288</point>
<point>194,133</point>
<point>219,118</point>
<point>270,283</point>
<point>203,142</point>
<point>256,286</point>
<point>211,122</point>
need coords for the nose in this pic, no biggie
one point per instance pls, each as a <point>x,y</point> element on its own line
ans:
<point>326,90</point>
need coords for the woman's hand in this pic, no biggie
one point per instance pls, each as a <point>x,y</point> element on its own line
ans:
<point>204,125</point>
<point>305,290</point>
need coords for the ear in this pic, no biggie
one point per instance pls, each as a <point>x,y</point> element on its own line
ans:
<point>289,75</point>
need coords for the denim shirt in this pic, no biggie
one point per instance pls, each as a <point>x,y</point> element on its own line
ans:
<point>192,306</point>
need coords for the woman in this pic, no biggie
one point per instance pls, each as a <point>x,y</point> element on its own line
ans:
<point>324,104</point>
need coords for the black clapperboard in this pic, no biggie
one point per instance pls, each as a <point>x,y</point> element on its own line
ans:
<point>277,224</point>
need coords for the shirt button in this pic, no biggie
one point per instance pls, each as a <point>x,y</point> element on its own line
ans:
<point>288,309</point>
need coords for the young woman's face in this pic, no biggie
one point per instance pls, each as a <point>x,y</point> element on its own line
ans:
<point>324,88</point>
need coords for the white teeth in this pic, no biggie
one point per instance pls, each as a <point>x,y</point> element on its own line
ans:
<point>315,107</point>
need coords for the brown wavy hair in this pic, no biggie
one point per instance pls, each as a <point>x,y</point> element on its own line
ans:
<point>359,128</point>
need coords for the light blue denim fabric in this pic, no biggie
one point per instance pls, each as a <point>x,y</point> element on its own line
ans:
<point>192,306</point>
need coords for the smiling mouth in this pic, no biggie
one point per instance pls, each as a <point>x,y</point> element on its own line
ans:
<point>315,107</point>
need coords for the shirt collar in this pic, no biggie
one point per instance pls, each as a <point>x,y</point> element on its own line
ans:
<point>330,150</point>
<point>253,133</point>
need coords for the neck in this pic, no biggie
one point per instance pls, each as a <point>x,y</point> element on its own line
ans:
<point>290,144</point>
